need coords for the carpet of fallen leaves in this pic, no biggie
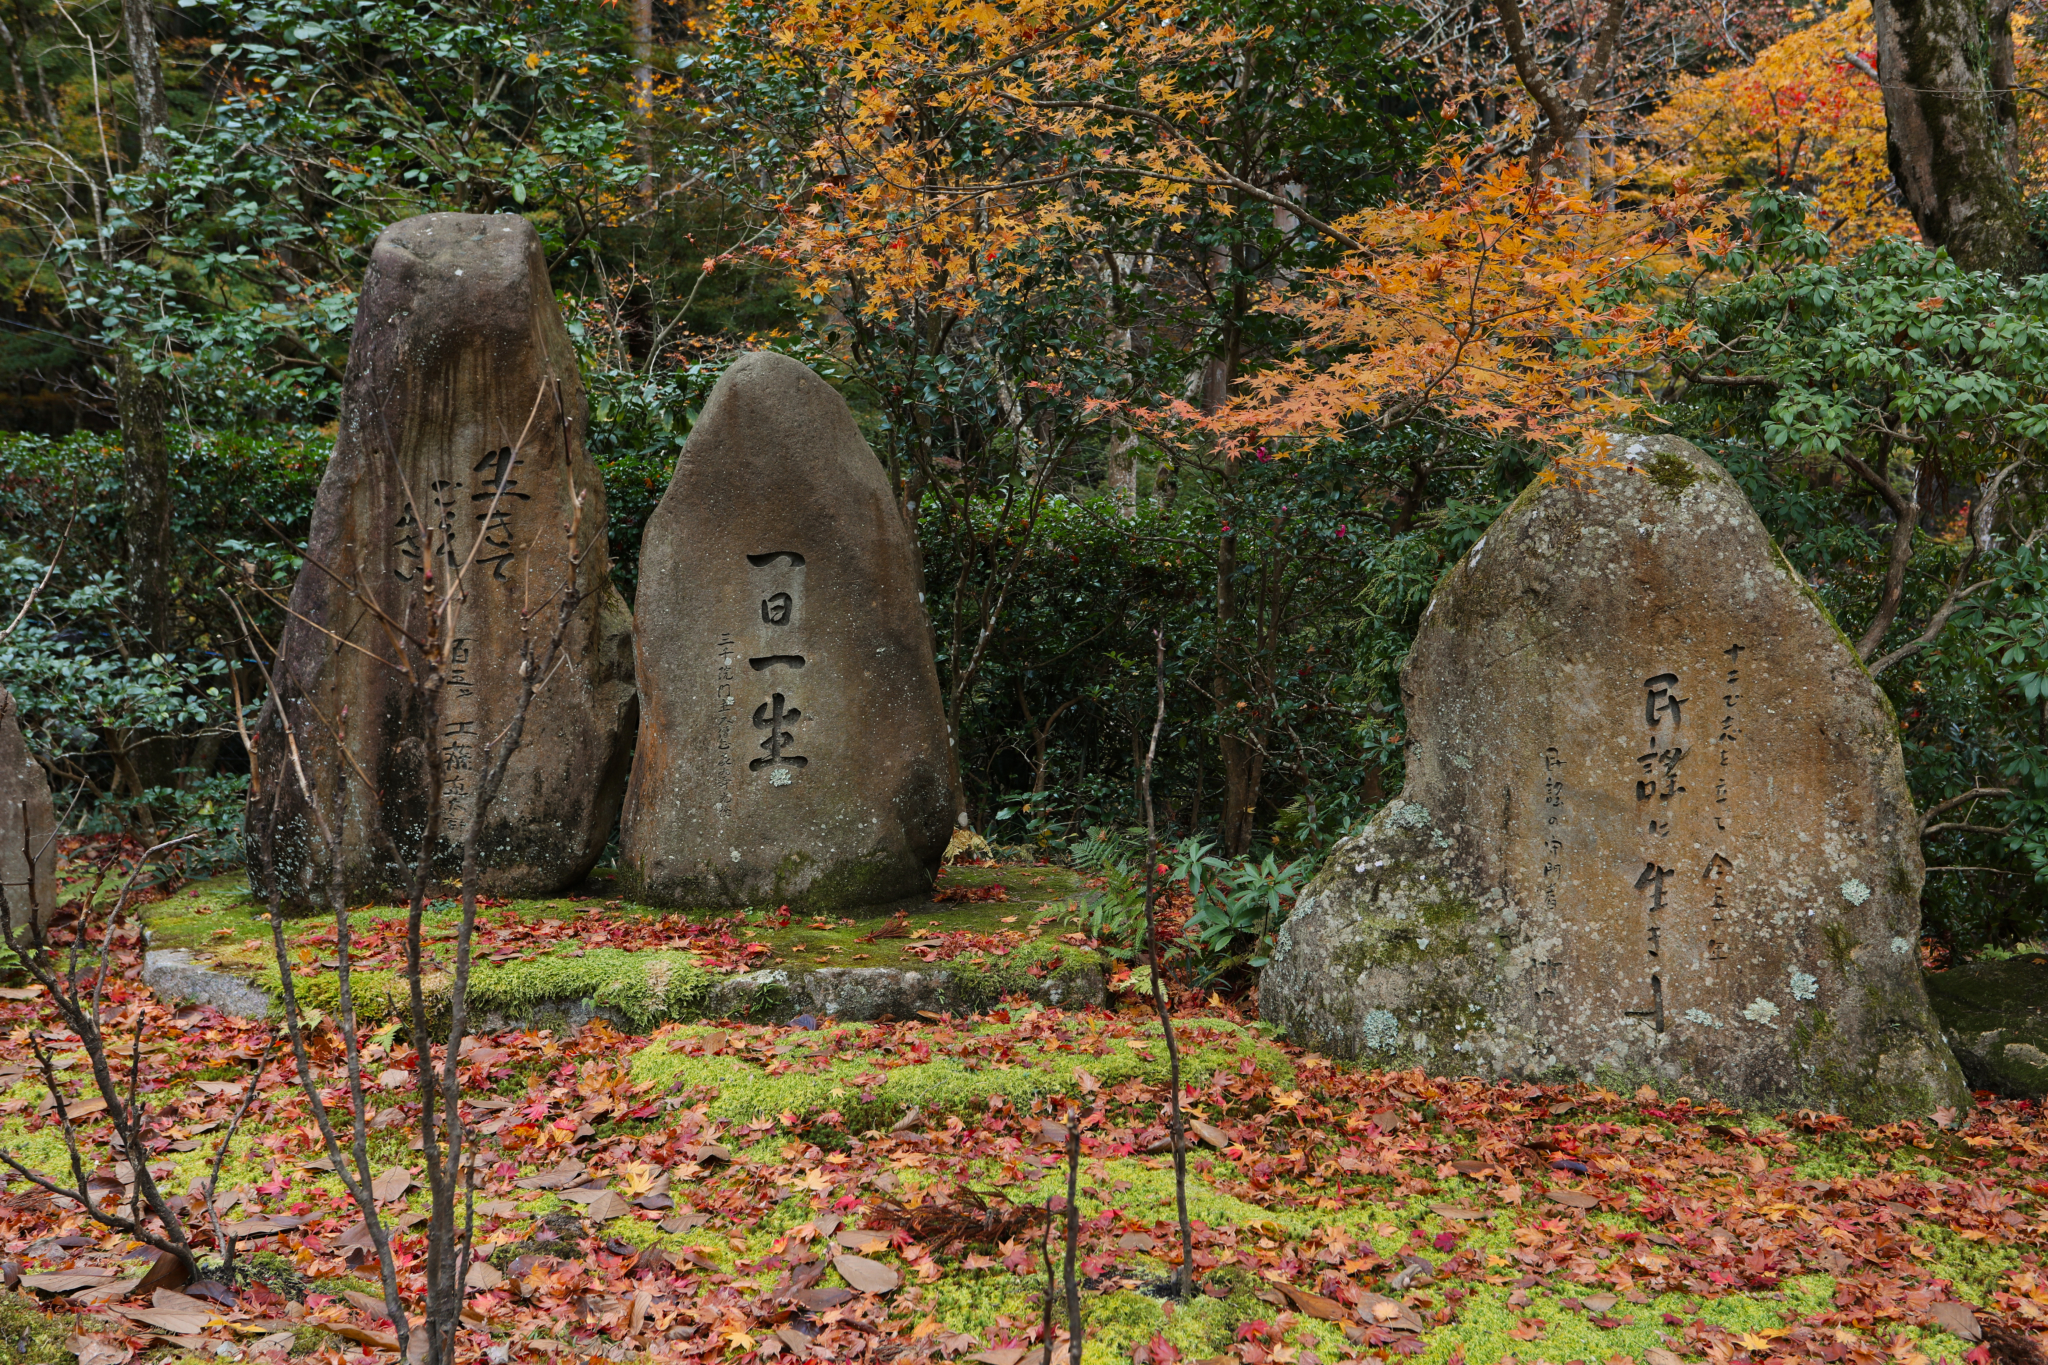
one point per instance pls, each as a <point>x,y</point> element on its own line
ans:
<point>721,945</point>
<point>1613,1201</point>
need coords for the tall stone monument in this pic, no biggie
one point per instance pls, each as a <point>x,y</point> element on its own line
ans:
<point>460,458</point>
<point>793,749</point>
<point>28,825</point>
<point>1655,824</point>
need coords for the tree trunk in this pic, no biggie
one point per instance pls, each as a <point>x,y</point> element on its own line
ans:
<point>1945,67</point>
<point>140,395</point>
<point>1122,482</point>
<point>145,494</point>
<point>1244,767</point>
<point>643,93</point>
<point>7,36</point>
<point>152,112</point>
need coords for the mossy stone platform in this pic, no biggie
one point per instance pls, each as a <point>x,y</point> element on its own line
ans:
<point>1995,1016</point>
<point>559,962</point>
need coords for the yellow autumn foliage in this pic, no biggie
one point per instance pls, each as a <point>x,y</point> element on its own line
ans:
<point>1803,117</point>
<point>1492,302</point>
<point>902,211</point>
<point>1807,117</point>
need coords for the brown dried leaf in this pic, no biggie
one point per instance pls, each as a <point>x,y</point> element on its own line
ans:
<point>1457,1212</point>
<point>1957,1318</point>
<point>391,1185</point>
<point>599,1205</point>
<point>869,1277</point>
<point>177,1322</point>
<point>98,1351</point>
<point>368,1336</point>
<point>1315,1305</point>
<point>65,1281</point>
<point>167,1272</point>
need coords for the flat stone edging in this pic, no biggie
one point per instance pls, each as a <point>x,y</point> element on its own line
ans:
<point>768,996</point>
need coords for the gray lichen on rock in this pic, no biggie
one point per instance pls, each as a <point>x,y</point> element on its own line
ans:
<point>1655,823</point>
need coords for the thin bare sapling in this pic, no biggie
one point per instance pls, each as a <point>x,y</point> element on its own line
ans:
<point>1176,1126</point>
<point>418,646</point>
<point>73,977</point>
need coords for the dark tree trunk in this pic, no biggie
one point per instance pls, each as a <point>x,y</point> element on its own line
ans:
<point>643,93</point>
<point>145,493</point>
<point>140,395</point>
<point>1950,117</point>
<point>1244,769</point>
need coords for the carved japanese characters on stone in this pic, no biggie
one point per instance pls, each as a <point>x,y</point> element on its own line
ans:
<point>460,456</point>
<point>793,749</point>
<point>1655,822</point>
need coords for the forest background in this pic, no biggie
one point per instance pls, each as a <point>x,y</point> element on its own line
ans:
<point>1220,327</point>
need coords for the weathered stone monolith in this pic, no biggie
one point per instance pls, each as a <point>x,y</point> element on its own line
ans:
<point>28,825</point>
<point>460,455</point>
<point>793,749</point>
<point>1655,823</point>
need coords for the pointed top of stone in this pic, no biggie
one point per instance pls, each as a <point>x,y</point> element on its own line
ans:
<point>461,454</point>
<point>793,746</point>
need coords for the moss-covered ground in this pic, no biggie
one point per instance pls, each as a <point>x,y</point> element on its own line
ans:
<point>641,965</point>
<point>1348,1214</point>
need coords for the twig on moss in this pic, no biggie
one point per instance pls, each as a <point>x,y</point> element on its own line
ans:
<point>1074,1335</point>
<point>1176,1127</point>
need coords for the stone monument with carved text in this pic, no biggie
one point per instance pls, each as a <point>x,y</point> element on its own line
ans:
<point>460,461</point>
<point>28,825</point>
<point>1655,823</point>
<point>793,748</point>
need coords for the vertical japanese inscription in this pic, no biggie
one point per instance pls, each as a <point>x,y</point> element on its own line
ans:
<point>1658,784</point>
<point>723,702</point>
<point>1729,735</point>
<point>495,495</point>
<point>777,578</point>
<point>1549,970</point>
<point>458,737</point>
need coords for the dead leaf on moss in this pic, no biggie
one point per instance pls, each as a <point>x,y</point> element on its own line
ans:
<point>869,1277</point>
<point>1958,1319</point>
<point>1315,1305</point>
<point>98,1350</point>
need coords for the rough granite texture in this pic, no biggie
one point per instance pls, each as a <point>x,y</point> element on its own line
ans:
<point>1655,822</point>
<point>25,791</point>
<point>178,974</point>
<point>793,748</point>
<point>1995,1015</point>
<point>461,443</point>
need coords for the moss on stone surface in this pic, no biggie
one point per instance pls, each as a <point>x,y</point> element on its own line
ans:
<point>1671,473</point>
